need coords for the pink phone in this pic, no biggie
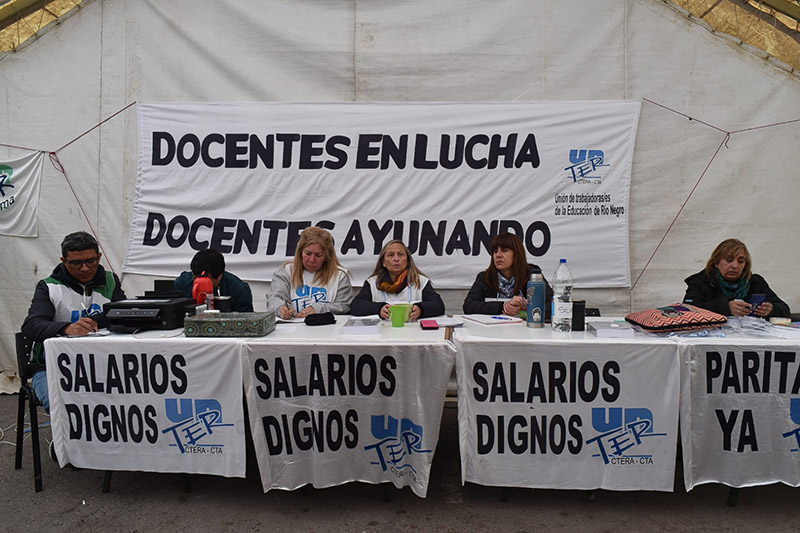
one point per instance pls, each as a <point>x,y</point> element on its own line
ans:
<point>428,324</point>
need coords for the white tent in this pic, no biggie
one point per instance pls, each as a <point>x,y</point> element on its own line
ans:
<point>114,52</point>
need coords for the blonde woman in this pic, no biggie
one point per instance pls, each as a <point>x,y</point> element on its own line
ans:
<point>314,282</point>
<point>396,279</point>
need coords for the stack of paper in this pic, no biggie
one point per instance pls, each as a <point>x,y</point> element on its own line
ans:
<point>446,321</point>
<point>362,326</point>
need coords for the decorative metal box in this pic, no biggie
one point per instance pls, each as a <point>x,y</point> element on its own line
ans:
<point>229,325</point>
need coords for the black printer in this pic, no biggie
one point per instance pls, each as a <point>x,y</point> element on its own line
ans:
<point>161,308</point>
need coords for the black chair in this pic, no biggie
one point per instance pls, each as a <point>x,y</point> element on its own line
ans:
<point>26,393</point>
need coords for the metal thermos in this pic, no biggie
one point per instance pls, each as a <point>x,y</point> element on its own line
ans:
<point>535,294</point>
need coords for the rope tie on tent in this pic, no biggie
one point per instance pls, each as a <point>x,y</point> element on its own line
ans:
<point>59,167</point>
<point>56,162</point>
<point>725,143</point>
<point>95,126</point>
<point>20,147</point>
<point>767,125</point>
<point>684,115</point>
<point>721,144</point>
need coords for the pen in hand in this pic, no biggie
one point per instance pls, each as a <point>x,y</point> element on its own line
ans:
<point>91,324</point>
<point>289,308</point>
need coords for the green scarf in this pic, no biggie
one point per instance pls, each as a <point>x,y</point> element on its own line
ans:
<point>736,290</point>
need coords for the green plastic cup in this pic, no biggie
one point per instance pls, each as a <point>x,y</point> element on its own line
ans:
<point>398,316</point>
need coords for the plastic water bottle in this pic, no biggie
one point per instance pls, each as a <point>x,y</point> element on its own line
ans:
<point>535,294</point>
<point>562,298</point>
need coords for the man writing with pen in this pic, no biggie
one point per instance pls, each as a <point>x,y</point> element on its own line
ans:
<point>69,302</point>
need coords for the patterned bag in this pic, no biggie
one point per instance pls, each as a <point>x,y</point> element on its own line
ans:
<point>676,317</point>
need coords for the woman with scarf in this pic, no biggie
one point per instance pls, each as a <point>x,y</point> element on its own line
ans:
<point>501,288</point>
<point>396,279</point>
<point>727,283</point>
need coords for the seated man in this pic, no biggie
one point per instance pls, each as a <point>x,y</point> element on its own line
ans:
<point>211,263</point>
<point>69,302</point>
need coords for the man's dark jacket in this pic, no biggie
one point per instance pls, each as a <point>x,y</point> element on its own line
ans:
<point>42,322</point>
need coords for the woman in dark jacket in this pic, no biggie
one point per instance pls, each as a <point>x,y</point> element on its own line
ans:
<point>501,287</point>
<point>396,279</point>
<point>727,284</point>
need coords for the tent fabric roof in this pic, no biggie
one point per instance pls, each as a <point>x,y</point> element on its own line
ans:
<point>771,26</point>
<point>23,20</point>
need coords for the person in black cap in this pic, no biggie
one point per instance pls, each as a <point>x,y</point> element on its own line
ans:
<point>211,263</point>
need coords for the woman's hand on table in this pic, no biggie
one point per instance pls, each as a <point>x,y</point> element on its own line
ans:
<point>305,312</point>
<point>416,312</point>
<point>385,311</point>
<point>514,306</point>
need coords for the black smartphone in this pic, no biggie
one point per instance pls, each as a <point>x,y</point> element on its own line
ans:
<point>756,300</point>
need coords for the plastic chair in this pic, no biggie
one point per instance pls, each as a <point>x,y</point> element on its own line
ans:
<point>26,393</point>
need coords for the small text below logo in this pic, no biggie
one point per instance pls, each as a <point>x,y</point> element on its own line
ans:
<point>194,420</point>
<point>623,430</point>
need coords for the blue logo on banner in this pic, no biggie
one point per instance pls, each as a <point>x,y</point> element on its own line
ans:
<point>794,414</point>
<point>585,165</point>
<point>621,433</point>
<point>194,421</point>
<point>4,176</point>
<point>397,442</point>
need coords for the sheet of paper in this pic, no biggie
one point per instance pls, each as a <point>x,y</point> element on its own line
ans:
<point>492,319</point>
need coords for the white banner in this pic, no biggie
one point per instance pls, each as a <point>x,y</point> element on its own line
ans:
<point>155,405</point>
<point>247,178</point>
<point>568,415</point>
<point>330,413</point>
<point>740,413</point>
<point>20,180</point>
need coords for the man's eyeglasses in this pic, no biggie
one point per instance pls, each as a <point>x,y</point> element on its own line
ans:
<point>76,263</point>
